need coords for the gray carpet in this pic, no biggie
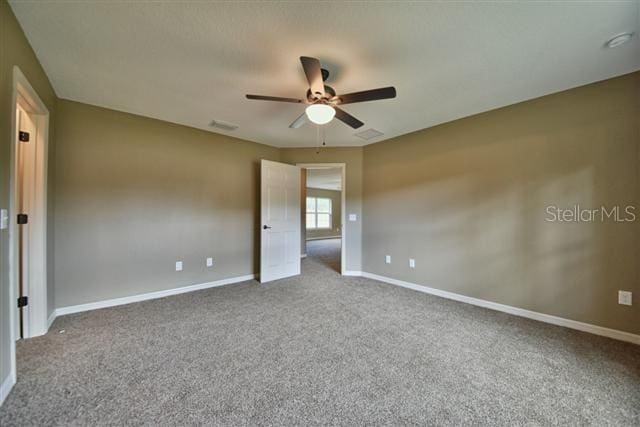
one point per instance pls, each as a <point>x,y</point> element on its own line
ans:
<point>319,349</point>
<point>326,252</point>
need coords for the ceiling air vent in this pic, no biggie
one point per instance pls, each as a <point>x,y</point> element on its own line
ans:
<point>369,134</point>
<point>222,125</point>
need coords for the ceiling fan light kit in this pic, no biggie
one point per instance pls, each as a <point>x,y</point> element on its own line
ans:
<point>320,114</point>
<point>323,99</point>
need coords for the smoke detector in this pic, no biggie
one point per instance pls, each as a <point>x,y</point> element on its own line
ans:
<point>222,125</point>
<point>369,134</point>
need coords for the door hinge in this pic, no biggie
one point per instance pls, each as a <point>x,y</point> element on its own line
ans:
<point>23,136</point>
<point>22,301</point>
<point>23,219</point>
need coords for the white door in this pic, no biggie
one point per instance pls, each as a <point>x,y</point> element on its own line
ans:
<point>26,157</point>
<point>280,220</point>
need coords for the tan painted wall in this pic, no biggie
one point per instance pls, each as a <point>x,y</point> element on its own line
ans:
<point>352,156</point>
<point>336,212</point>
<point>16,51</point>
<point>467,200</point>
<point>135,195</point>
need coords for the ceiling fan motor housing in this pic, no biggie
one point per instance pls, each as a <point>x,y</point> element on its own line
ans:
<point>330,93</point>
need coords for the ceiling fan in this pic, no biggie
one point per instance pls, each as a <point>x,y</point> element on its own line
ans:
<point>322,99</point>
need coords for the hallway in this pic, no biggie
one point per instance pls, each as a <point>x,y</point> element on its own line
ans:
<point>326,251</point>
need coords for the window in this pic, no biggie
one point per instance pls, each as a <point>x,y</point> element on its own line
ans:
<point>318,213</point>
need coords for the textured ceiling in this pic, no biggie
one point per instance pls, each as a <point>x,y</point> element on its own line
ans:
<point>191,62</point>
<point>325,178</point>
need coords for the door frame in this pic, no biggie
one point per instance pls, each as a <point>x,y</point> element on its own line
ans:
<point>343,207</point>
<point>35,316</point>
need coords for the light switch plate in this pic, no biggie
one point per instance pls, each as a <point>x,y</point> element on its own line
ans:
<point>209,262</point>
<point>178,265</point>
<point>624,297</point>
<point>387,259</point>
<point>353,217</point>
<point>412,263</point>
<point>4,219</point>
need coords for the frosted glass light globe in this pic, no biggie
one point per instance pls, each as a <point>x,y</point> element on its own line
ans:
<point>320,114</point>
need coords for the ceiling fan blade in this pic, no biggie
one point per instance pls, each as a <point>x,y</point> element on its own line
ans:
<point>347,118</point>
<point>274,98</point>
<point>299,121</point>
<point>368,95</point>
<point>313,72</point>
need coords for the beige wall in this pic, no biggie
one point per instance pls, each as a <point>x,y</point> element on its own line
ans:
<point>16,51</point>
<point>467,200</point>
<point>352,157</point>
<point>134,195</point>
<point>336,212</point>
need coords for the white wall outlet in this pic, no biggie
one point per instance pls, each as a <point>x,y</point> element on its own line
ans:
<point>387,259</point>
<point>353,217</point>
<point>412,263</point>
<point>624,297</point>
<point>178,265</point>
<point>4,219</point>
<point>209,262</point>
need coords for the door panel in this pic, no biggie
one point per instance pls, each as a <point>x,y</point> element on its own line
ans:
<point>280,215</point>
<point>25,203</point>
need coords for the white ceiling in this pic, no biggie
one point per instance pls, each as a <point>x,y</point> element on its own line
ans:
<point>325,178</point>
<point>191,62</point>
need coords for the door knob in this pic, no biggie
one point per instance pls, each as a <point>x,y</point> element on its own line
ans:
<point>265,227</point>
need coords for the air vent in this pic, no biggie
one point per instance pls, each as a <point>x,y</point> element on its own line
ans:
<point>222,125</point>
<point>369,134</point>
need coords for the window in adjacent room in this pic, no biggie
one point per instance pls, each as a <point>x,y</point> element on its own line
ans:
<point>318,213</point>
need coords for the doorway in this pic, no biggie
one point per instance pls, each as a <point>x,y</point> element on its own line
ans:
<point>323,214</point>
<point>28,212</point>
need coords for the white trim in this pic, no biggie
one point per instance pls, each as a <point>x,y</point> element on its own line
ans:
<point>52,318</point>
<point>322,238</point>
<point>352,273</point>
<point>337,190</point>
<point>343,206</point>
<point>36,312</point>
<point>6,387</point>
<point>546,318</point>
<point>151,295</point>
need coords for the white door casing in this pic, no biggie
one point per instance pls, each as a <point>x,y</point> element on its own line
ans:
<point>29,114</point>
<point>280,220</point>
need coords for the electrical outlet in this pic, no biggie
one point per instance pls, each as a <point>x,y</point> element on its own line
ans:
<point>624,297</point>
<point>353,217</point>
<point>412,263</point>
<point>387,259</point>
<point>178,265</point>
<point>209,262</point>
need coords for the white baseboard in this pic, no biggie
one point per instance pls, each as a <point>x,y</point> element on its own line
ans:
<point>151,295</point>
<point>323,238</point>
<point>352,273</point>
<point>6,387</point>
<point>547,318</point>
<point>51,319</point>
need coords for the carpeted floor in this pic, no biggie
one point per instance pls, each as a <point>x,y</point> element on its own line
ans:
<point>319,349</point>
<point>326,252</point>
